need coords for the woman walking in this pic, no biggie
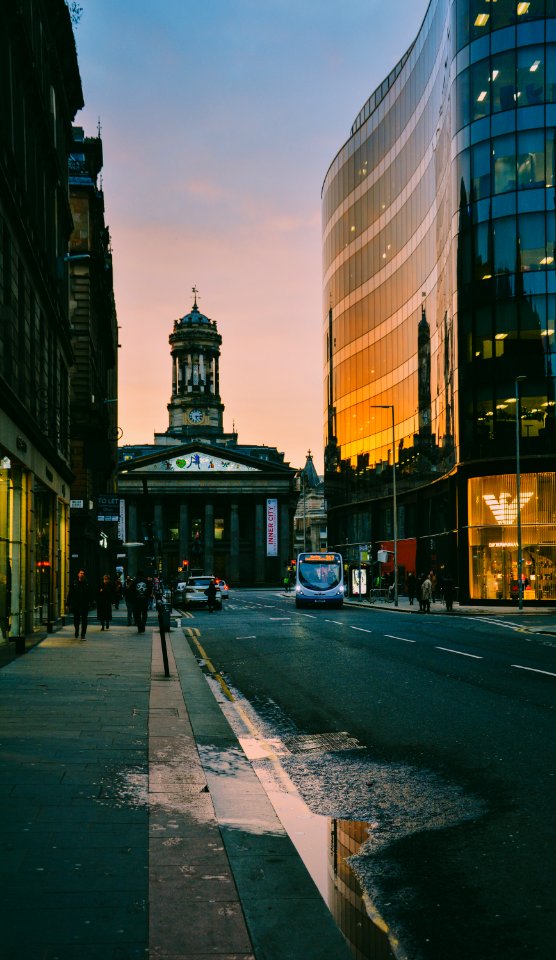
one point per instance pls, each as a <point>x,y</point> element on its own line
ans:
<point>105,600</point>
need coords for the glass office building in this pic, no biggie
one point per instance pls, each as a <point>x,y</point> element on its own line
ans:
<point>439,304</point>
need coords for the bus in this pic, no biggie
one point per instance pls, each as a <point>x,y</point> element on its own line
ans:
<point>319,579</point>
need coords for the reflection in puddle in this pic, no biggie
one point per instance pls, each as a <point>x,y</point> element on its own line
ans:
<point>325,846</point>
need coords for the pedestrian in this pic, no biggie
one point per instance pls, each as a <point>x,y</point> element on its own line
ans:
<point>449,591</point>
<point>426,594</point>
<point>105,599</point>
<point>286,583</point>
<point>79,601</point>
<point>118,590</point>
<point>411,587</point>
<point>128,597</point>
<point>211,595</point>
<point>141,593</point>
<point>434,585</point>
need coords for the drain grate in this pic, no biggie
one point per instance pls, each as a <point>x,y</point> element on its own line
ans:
<point>321,742</point>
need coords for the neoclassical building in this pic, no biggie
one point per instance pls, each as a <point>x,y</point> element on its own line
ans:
<point>196,499</point>
<point>439,305</point>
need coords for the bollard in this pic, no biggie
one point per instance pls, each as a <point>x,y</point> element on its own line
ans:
<point>164,626</point>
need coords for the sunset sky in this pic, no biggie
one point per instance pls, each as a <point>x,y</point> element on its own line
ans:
<point>219,120</point>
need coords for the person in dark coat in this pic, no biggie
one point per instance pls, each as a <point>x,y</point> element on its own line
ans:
<point>211,595</point>
<point>79,601</point>
<point>128,595</point>
<point>449,590</point>
<point>411,587</point>
<point>141,592</point>
<point>105,599</point>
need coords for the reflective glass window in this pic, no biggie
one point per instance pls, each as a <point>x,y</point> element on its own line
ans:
<point>480,171</point>
<point>483,247</point>
<point>532,241</point>
<point>504,158</point>
<point>504,245</point>
<point>550,157</point>
<point>479,90</point>
<point>503,13</point>
<point>530,76</point>
<point>502,81</point>
<point>550,73</point>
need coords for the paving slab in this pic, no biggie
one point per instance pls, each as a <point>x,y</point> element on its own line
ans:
<point>131,823</point>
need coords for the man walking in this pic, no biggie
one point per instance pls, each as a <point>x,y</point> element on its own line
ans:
<point>141,592</point>
<point>79,602</point>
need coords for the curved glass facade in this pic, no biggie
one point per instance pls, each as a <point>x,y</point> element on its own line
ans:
<point>440,287</point>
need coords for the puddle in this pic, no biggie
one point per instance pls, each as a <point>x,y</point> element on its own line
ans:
<point>324,844</point>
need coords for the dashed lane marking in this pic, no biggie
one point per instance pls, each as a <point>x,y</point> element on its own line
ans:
<point>339,622</point>
<point>547,673</point>
<point>362,629</point>
<point>392,637</point>
<point>460,653</point>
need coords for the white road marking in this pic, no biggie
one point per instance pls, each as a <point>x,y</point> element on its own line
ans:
<point>460,653</point>
<point>362,629</point>
<point>310,615</point>
<point>547,673</point>
<point>498,623</point>
<point>392,637</point>
<point>339,622</point>
<point>279,618</point>
<point>250,637</point>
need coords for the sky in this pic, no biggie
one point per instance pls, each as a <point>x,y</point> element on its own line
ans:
<point>219,120</point>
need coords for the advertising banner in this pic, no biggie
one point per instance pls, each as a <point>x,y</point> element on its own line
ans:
<point>272,528</point>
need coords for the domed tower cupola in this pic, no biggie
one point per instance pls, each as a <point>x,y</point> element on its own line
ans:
<point>195,409</point>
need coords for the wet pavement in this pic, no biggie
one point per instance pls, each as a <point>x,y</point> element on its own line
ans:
<point>132,824</point>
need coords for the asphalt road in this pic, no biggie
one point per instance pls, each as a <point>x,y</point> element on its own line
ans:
<point>457,718</point>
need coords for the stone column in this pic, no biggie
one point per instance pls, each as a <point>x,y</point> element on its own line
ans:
<point>209,538</point>
<point>233,572</point>
<point>132,522</point>
<point>284,534</point>
<point>260,542</point>
<point>158,530</point>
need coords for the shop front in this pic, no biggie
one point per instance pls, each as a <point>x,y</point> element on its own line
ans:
<point>493,537</point>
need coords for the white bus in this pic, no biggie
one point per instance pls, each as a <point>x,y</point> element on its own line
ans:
<point>319,579</point>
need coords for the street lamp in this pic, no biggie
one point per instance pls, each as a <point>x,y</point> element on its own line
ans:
<point>390,406</point>
<point>518,492</point>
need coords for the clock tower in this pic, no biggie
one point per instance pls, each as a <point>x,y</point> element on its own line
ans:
<point>195,408</point>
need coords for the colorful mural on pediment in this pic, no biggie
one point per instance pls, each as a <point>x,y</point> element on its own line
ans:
<point>200,462</point>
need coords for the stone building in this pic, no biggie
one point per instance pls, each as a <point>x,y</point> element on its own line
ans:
<point>94,373</point>
<point>40,93</point>
<point>196,499</point>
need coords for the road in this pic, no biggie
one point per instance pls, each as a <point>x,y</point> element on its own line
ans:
<point>438,732</point>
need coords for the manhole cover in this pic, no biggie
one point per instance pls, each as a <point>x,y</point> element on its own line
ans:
<point>322,742</point>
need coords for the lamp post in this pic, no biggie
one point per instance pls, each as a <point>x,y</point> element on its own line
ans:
<point>390,406</point>
<point>518,493</point>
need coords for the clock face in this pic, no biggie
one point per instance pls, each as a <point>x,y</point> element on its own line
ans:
<point>195,416</point>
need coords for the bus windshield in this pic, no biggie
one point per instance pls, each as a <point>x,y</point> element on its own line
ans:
<point>319,575</point>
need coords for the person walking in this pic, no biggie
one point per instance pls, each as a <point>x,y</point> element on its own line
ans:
<point>128,597</point>
<point>449,590</point>
<point>105,599</point>
<point>211,595</point>
<point>411,587</point>
<point>141,593</point>
<point>79,601</point>
<point>426,594</point>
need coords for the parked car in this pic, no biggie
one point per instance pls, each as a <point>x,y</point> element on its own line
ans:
<point>224,589</point>
<point>195,593</point>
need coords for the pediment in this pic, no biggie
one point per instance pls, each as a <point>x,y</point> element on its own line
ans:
<point>193,462</point>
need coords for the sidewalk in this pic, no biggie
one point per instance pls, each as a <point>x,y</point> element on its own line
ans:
<point>438,607</point>
<point>131,823</point>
